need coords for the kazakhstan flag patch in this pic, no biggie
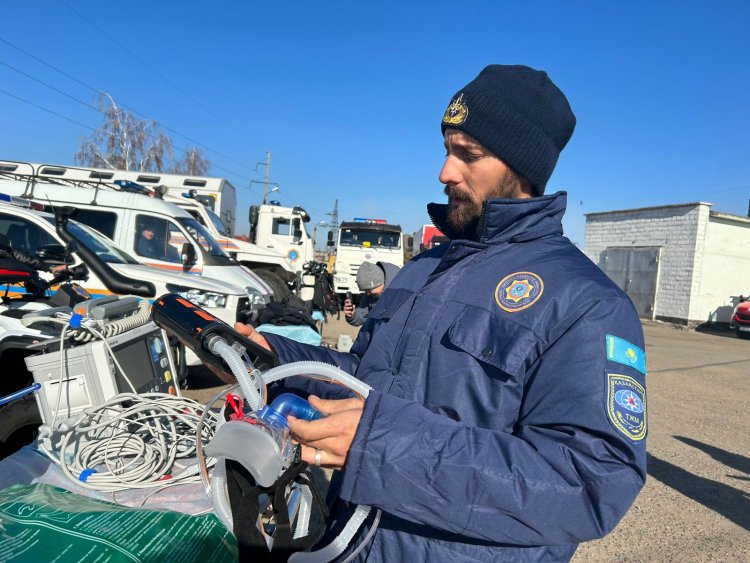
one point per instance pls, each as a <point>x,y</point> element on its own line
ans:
<point>623,352</point>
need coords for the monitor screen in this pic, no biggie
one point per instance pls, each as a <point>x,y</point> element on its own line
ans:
<point>136,359</point>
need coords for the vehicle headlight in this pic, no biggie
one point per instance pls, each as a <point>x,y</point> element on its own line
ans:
<point>200,297</point>
<point>257,299</point>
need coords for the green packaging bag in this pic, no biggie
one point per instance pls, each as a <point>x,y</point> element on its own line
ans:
<point>44,523</point>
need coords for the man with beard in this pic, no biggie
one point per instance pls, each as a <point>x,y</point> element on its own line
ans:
<point>507,419</point>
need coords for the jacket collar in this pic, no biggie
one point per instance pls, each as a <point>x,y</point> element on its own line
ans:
<point>510,220</point>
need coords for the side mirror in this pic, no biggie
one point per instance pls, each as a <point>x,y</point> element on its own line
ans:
<point>54,254</point>
<point>329,243</point>
<point>252,214</point>
<point>297,229</point>
<point>189,256</point>
<point>330,238</point>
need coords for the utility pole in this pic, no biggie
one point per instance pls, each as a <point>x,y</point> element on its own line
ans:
<point>268,171</point>
<point>334,224</point>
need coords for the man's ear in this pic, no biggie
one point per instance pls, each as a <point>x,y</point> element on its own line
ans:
<point>525,191</point>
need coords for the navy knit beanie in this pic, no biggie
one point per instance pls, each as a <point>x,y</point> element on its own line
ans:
<point>517,113</point>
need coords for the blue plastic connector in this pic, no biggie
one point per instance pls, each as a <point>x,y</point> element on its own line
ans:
<point>75,321</point>
<point>85,474</point>
<point>288,404</point>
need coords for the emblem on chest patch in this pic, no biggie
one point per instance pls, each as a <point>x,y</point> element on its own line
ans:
<point>518,291</point>
<point>626,405</point>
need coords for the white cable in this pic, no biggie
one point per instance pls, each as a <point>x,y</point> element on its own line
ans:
<point>366,539</point>
<point>250,383</point>
<point>62,377</point>
<point>133,441</point>
<point>113,328</point>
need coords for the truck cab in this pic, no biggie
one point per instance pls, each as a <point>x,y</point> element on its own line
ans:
<point>282,229</point>
<point>364,240</point>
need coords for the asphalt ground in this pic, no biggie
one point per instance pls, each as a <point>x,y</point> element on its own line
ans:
<point>696,503</point>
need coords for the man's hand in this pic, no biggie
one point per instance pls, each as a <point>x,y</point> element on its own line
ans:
<point>251,334</point>
<point>333,435</point>
<point>348,309</point>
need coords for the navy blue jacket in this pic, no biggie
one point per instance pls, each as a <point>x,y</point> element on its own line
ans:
<point>507,419</point>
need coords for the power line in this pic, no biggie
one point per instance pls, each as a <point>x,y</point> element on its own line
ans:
<point>73,78</point>
<point>47,110</point>
<point>100,92</point>
<point>19,71</point>
<point>156,72</point>
<point>66,118</point>
<point>129,108</point>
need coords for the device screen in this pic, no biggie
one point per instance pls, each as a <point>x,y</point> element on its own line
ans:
<point>135,359</point>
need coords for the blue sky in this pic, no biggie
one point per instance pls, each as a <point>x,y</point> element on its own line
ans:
<point>348,96</point>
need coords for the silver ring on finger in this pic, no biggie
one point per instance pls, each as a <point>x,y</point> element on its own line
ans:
<point>318,453</point>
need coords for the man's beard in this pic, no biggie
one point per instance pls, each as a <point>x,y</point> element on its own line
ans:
<point>465,218</point>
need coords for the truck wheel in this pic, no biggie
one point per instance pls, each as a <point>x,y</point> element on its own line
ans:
<point>19,425</point>
<point>276,283</point>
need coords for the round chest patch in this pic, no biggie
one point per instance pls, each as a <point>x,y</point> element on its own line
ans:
<point>518,291</point>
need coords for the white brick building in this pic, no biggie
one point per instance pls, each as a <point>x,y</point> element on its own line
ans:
<point>680,263</point>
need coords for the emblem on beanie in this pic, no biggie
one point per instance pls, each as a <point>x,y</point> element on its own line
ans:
<point>457,112</point>
<point>518,291</point>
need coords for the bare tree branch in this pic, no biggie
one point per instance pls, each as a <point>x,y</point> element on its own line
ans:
<point>193,164</point>
<point>126,142</point>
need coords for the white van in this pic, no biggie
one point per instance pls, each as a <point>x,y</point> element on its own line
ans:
<point>157,233</point>
<point>27,230</point>
<point>213,202</point>
<point>276,269</point>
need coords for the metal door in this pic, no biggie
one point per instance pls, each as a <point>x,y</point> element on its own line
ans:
<point>635,271</point>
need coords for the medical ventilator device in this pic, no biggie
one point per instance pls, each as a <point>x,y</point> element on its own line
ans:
<point>255,435</point>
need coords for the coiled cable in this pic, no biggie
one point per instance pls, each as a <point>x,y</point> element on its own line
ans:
<point>133,441</point>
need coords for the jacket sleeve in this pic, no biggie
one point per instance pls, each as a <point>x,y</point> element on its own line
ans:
<point>565,474</point>
<point>360,312</point>
<point>292,351</point>
<point>30,261</point>
<point>358,319</point>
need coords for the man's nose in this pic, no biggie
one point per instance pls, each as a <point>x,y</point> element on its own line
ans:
<point>449,175</point>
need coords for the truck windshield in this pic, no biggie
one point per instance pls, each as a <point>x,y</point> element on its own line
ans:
<point>374,239</point>
<point>202,236</point>
<point>104,248</point>
<point>218,225</point>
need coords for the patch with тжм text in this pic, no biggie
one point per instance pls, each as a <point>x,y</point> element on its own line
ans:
<point>626,406</point>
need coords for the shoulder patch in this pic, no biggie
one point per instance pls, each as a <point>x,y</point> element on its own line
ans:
<point>626,406</point>
<point>518,291</point>
<point>623,352</point>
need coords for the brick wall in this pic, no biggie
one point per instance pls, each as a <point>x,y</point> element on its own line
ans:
<point>676,229</point>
